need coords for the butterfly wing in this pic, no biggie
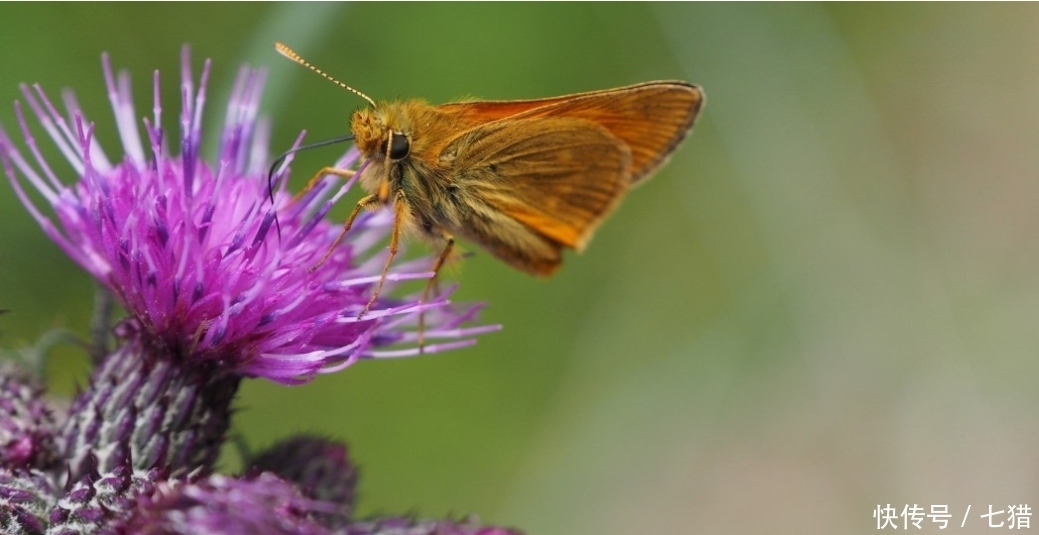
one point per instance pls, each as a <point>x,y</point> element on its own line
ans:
<point>531,187</point>
<point>651,118</point>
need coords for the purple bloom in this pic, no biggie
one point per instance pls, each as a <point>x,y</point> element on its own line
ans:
<point>27,422</point>
<point>191,250</point>
<point>220,505</point>
<point>407,526</point>
<point>121,472</point>
<point>144,411</point>
<point>214,295</point>
<point>320,468</point>
<point>99,499</point>
<point>262,505</point>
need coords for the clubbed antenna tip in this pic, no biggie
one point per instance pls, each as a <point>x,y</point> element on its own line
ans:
<point>284,50</point>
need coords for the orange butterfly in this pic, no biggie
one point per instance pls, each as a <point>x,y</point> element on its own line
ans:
<point>524,179</point>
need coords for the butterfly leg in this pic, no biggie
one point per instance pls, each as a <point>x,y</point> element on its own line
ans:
<point>345,173</point>
<point>439,263</point>
<point>399,205</point>
<point>365,202</point>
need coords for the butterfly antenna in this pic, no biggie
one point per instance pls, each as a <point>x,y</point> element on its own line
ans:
<point>289,53</point>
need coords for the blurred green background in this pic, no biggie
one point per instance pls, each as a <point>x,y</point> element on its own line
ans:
<point>827,301</point>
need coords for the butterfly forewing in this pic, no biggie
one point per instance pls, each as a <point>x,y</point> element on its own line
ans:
<point>557,179</point>
<point>651,118</point>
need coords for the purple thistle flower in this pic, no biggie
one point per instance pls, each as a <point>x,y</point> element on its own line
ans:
<point>407,526</point>
<point>26,500</point>
<point>27,422</point>
<point>214,295</point>
<point>320,468</point>
<point>188,246</point>
<point>221,505</point>
<point>146,413</point>
<point>100,499</point>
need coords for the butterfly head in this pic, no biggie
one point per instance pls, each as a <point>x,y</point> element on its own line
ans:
<point>381,134</point>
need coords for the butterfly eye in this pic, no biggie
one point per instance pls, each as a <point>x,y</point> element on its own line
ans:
<point>399,146</point>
